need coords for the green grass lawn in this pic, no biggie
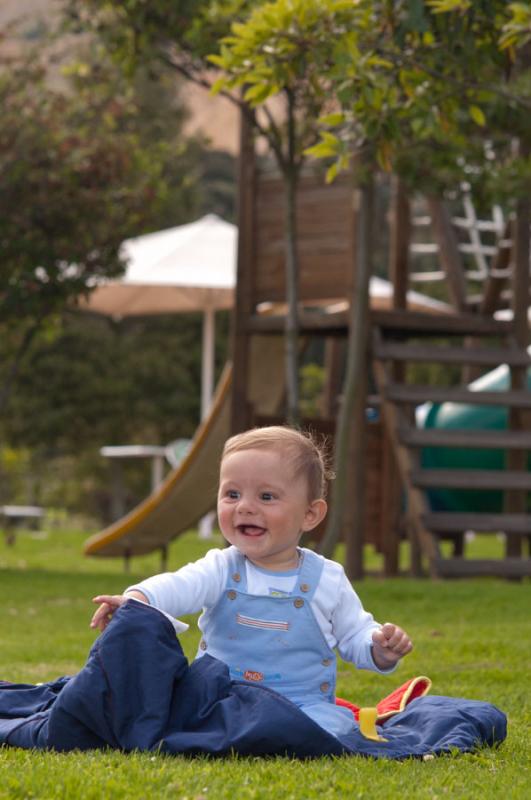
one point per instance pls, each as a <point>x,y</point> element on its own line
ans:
<point>472,638</point>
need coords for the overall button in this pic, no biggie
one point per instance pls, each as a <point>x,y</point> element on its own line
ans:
<point>305,587</point>
<point>203,644</point>
<point>298,602</point>
<point>324,687</point>
<point>231,594</point>
<point>326,662</point>
<point>236,577</point>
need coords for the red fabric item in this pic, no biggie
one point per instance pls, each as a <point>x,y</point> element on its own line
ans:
<point>396,701</point>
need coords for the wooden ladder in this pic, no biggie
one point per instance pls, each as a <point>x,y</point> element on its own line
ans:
<point>400,338</point>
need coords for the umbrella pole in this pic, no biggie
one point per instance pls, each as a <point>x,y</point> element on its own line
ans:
<point>206,523</point>
<point>207,361</point>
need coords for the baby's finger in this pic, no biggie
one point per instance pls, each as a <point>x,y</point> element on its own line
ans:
<point>394,639</point>
<point>402,644</point>
<point>96,619</point>
<point>389,630</point>
<point>384,634</point>
<point>101,616</point>
<point>405,644</point>
<point>378,637</point>
<point>105,598</point>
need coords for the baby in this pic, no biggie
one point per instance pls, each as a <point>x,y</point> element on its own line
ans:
<point>272,611</point>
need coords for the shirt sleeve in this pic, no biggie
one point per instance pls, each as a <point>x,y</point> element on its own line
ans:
<point>353,628</point>
<point>190,589</point>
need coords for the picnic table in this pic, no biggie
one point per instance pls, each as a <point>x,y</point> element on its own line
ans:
<point>173,453</point>
<point>119,452</point>
<point>14,516</point>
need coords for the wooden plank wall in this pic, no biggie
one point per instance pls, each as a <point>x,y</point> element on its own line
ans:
<point>325,236</point>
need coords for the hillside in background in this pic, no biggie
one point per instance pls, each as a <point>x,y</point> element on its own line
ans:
<point>23,21</point>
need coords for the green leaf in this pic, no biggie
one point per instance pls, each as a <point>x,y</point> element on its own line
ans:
<point>259,92</point>
<point>477,115</point>
<point>331,172</point>
<point>322,150</point>
<point>217,60</point>
<point>332,119</point>
<point>445,6</point>
<point>218,85</point>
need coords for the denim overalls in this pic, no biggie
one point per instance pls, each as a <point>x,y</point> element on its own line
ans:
<point>277,642</point>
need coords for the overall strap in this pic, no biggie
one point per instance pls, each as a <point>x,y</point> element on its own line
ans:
<point>237,577</point>
<point>309,574</point>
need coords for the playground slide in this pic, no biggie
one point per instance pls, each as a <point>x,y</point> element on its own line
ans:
<point>189,491</point>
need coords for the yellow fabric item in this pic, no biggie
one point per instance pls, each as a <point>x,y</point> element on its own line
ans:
<point>367,720</point>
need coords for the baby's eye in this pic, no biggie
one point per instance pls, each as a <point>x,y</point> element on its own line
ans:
<point>232,494</point>
<point>267,496</point>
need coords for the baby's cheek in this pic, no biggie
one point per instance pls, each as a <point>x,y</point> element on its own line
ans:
<point>224,516</point>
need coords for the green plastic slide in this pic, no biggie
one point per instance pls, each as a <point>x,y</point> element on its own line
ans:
<point>468,417</point>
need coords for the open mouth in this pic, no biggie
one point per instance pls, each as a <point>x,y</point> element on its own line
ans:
<point>250,530</point>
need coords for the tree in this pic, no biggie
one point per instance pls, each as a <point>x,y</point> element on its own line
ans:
<point>431,87</point>
<point>429,90</point>
<point>418,85</point>
<point>280,51</point>
<point>102,382</point>
<point>73,389</point>
<point>268,48</point>
<point>77,179</point>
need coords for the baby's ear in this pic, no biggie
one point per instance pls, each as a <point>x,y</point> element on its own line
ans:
<point>315,512</point>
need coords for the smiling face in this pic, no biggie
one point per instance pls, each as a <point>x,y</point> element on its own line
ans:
<point>264,508</point>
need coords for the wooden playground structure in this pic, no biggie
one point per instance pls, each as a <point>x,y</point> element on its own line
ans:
<point>487,287</point>
<point>428,481</point>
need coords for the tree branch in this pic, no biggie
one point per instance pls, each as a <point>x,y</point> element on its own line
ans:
<point>272,134</point>
<point>456,82</point>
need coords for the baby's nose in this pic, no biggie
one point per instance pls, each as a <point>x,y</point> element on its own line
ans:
<point>245,506</point>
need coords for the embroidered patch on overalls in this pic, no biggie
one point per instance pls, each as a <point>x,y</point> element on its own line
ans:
<point>269,624</point>
<point>254,675</point>
<point>251,675</point>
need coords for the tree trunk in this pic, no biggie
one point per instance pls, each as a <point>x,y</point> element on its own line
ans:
<point>350,477</point>
<point>291,174</point>
<point>12,373</point>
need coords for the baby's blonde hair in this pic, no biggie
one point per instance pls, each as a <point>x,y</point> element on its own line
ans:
<point>307,454</point>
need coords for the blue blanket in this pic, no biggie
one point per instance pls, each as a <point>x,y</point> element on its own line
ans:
<point>138,692</point>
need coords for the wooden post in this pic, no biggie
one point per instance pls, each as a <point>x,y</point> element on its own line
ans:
<point>494,283</point>
<point>399,240</point>
<point>516,502</point>
<point>392,490</point>
<point>449,254</point>
<point>333,360</point>
<point>490,301</point>
<point>244,306</point>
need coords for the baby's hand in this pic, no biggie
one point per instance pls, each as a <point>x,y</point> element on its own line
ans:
<point>109,603</point>
<point>390,643</point>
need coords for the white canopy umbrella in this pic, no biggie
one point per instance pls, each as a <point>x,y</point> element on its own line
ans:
<point>188,268</point>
